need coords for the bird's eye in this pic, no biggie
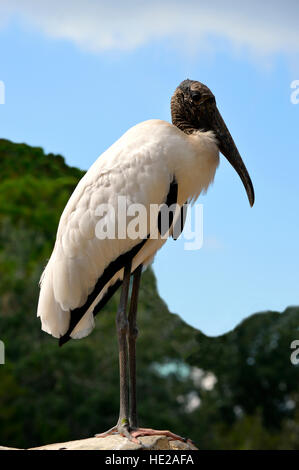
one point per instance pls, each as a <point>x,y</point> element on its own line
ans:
<point>196,96</point>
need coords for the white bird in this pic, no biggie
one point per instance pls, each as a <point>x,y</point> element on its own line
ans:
<point>153,163</point>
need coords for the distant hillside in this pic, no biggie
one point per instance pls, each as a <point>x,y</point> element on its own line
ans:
<point>18,160</point>
<point>34,188</point>
<point>236,391</point>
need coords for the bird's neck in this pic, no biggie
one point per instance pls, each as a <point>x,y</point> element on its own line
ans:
<point>183,124</point>
<point>180,117</point>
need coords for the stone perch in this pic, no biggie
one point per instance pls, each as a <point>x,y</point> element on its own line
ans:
<point>116,442</point>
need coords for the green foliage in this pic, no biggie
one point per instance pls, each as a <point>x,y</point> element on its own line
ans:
<point>18,160</point>
<point>255,400</point>
<point>50,394</point>
<point>253,366</point>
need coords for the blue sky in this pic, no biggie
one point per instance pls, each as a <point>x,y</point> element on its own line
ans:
<point>79,74</point>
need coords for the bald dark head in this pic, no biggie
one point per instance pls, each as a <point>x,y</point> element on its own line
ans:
<point>193,107</point>
<point>195,91</point>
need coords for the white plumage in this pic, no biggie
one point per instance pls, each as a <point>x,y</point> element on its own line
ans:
<point>153,164</point>
<point>139,166</point>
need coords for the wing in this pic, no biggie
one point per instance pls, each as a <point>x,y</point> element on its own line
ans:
<point>82,263</point>
<point>179,223</point>
<point>164,225</point>
<point>85,269</point>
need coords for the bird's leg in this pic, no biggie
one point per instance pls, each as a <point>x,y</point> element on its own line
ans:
<point>132,336</point>
<point>122,328</point>
<point>135,431</point>
<point>127,424</point>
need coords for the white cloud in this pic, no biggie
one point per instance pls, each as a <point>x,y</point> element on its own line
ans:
<point>265,27</point>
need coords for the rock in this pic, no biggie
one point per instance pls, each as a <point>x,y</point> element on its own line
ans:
<point>116,442</point>
<point>9,448</point>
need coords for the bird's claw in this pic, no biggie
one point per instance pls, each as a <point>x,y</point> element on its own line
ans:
<point>123,429</point>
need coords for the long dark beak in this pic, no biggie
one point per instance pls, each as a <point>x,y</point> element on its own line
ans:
<point>228,148</point>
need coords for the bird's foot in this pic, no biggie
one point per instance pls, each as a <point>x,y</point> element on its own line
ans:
<point>156,432</point>
<point>133,433</point>
<point>123,429</point>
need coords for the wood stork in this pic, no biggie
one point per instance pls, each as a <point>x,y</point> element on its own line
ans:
<point>154,162</point>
